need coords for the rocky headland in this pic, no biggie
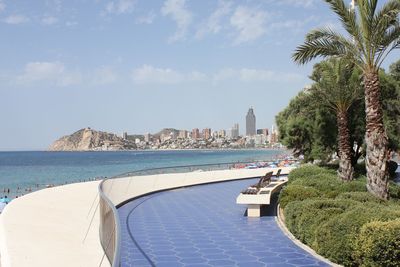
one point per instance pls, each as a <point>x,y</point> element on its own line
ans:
<point>88,139</point>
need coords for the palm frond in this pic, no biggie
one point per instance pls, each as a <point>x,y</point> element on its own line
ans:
<point>348,19</point>
<point>325,43</point>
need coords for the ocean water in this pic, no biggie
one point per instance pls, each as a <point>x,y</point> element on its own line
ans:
<point>35,170</point>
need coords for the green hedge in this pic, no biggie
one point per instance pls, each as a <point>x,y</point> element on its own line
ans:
<point>306,171</point>
<point>378,244</point>
<point>362,197</point>
<point>394,190</point>
<point>335,239</point>
<point>296,192</point>
<point>328,214</point>
<point>305,217</point>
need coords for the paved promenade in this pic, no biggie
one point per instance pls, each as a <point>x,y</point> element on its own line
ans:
<point>47,228</point>
<point>203,226</point>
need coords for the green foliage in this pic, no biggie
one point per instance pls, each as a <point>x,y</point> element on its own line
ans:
<point>305,217</point>
<point>363,197</point>
<point>335,238</point>
<point>390,97</point>
<point>325,181</point>
<point>306,171</point>
<point>296,192</point>
<point>328,214</point>
<point>378,244</point>
<point>394,190</point>
<point>394,70</point>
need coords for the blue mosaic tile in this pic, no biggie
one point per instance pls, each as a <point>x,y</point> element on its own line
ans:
<point>185,227</point>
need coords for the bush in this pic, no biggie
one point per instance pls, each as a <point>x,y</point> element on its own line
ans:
<point>295,193</point>
<point>335,239</point>
<point>358,185</point>
<point>392,167</point>
<point>394,190</point>
<point>323,182</point>
<point>362,197</point>
<point>304,217</point>
<point>306,171</point>
<point>378,244</point>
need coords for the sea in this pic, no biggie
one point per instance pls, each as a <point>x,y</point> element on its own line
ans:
<point>22,172</point>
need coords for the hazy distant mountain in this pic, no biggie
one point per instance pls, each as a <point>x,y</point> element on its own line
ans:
<point>166,131</point>
<point>88,140</point>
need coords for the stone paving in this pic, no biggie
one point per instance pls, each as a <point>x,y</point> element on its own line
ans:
<point>203,226</point>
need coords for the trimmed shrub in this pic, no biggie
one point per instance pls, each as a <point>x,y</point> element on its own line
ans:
<point>306,171</point>
<point>358,185</point>
<point>304,217</point>
<point>378,244</point>
<point>335,239</point>
<point>362,197</point>
<point>293,192</point>
<point>394,190</point>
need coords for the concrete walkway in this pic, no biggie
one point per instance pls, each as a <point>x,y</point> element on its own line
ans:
<point>47,228</point>
<point>203,226</point>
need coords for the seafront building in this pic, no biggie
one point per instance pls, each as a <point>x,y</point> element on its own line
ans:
<point>206,133</point>
<point>235,131</point>
<point>250,123</point>
<point>195,134</point>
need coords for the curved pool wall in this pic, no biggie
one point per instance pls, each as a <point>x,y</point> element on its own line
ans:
<point>118,191</point>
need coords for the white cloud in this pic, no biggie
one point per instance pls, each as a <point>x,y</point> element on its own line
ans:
<point>71,23</point>
<point>2,6</point>
<point>151,75</point>
<point>120,6</point>
<point>248,75</point>
<point>183,17</point>
<point>213,23</point>
<point>49,20</point>
<point>301,3</point>
<point>249,23</point>
<point>53,73</point>
<point>16,19</point>
<point>147,19</point>
<point>104,75</point>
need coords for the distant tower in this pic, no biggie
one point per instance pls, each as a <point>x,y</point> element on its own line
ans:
<point>250,123</point>
<point>235,131</point>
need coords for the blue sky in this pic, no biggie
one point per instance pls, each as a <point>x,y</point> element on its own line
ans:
<point>140,65</point>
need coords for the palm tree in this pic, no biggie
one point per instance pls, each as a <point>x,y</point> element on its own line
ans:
<point>338,86</point>
<point>371,36</point>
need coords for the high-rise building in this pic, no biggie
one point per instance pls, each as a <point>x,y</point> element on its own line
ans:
<point>195,133</point>
<point>206,133</point>
<point>124,135</point>
<point>250,123</point>
<point>221,133</point>
<point>235,131</point>
<point>183,134</point>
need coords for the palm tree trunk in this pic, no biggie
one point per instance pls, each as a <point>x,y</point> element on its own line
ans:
<point>346,169</point>
<point>375,138</point>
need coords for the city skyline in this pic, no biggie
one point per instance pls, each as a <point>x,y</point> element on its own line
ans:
<point>138,66</point>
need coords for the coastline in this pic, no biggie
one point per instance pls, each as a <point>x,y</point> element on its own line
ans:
<point>51,233</point>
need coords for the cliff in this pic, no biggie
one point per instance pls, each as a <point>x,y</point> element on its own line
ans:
<point>91,140</point>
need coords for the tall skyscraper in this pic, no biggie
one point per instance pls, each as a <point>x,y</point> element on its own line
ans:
<point>195,133</point>
<point>206,133</point>
<point>250,123</point>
